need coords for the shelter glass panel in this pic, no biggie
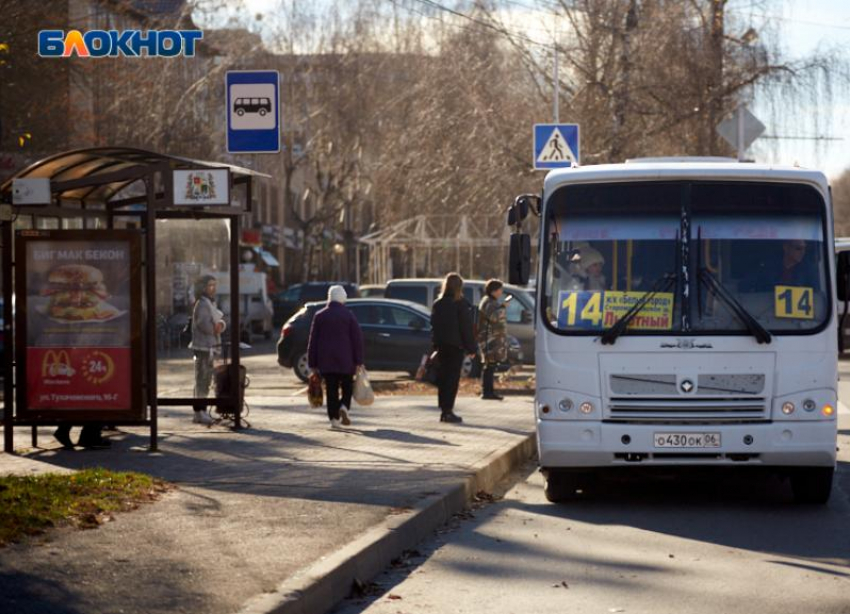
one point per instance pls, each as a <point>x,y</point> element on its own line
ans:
<point>192,298</point>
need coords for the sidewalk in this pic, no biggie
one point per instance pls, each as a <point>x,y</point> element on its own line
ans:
<point>252,509</point>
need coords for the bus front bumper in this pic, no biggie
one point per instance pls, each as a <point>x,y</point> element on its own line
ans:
<point>566,444</point>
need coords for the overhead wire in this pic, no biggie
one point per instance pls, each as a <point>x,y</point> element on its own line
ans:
<point>499,29</point>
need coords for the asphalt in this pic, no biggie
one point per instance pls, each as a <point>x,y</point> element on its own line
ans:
<point>732,543</point>
<point>254,511</point>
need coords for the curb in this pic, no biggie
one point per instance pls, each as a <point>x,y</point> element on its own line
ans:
<point>323,585</point>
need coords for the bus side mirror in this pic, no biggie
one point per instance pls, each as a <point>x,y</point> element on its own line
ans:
<point>518,212</point>
<point>843,275</point>
<point>519,263</point>
<point>523,205</point>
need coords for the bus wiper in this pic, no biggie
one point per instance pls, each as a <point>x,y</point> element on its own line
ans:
<point>662,284</point>
<point>758,331</point>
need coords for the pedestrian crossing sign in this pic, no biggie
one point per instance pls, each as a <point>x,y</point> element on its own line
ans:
<point>555,146</point>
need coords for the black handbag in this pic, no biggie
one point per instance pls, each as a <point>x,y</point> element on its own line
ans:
<point>432,366</point>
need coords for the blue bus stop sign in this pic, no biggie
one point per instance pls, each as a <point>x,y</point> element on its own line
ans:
<point>555,146</point>
<point>253,111</point>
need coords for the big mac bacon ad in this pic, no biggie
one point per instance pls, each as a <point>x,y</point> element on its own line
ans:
<point>78,324</point>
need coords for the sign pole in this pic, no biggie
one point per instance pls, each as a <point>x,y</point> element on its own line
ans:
<point>556,86</point>
<point>740,118</point>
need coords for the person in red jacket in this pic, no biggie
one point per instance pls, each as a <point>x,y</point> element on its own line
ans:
<point>335,350</point>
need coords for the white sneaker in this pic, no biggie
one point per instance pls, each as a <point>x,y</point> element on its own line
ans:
<point>335,425</point>
<point>202,417</point>
<point>343,413</point>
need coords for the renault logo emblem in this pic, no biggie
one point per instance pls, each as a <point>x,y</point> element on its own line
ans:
<point>687,386</point>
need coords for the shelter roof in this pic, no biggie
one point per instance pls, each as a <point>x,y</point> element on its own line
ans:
<point>82,163</point>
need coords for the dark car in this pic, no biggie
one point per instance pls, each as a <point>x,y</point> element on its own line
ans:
<point>396,335</point>
<point>296,296</point>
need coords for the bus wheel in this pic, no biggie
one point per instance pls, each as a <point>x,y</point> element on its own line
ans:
<point>561,486</point>
<point>812,485</point>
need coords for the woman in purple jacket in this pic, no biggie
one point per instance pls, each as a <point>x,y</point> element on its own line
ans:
<point>335,350</point>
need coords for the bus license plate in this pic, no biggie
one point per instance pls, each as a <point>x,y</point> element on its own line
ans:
<point>687,440</point>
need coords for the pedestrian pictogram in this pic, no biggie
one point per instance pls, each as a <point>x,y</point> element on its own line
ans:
<point>556,146</point>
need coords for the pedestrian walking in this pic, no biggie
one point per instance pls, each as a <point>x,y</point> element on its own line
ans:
<point>335,350</point>
<point>492,336</point>
<point>207,326</point>
<point>453,338</point>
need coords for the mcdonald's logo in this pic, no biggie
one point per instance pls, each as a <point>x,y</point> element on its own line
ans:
<point>56,363</point>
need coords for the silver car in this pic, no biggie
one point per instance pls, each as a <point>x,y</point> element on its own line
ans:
<point>520,310</point>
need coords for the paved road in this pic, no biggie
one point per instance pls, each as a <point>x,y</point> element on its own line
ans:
<point>653,547</point>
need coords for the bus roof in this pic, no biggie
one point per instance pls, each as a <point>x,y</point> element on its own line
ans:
<point>661,169</point>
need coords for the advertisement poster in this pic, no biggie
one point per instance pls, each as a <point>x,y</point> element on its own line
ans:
<point>80,320</point>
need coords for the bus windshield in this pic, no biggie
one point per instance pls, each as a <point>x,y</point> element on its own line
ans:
<point>608,245</point>
<point>752,251</point>
<point>765,246</point>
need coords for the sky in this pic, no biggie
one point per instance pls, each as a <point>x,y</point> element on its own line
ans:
<point>806,26</point>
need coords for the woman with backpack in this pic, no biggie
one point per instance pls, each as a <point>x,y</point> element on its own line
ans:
<point>453,338</point>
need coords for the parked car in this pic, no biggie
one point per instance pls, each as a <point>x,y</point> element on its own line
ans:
<point>372,291</point>
<point>520,310</point>
<point>396,335</point>
<point>296,296</point>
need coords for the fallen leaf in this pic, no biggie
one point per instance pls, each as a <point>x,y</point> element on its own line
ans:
<point>394,597</point>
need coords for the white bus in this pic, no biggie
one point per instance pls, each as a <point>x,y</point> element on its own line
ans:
<point>685,317</point>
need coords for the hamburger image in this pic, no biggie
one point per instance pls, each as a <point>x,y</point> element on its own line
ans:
<point>77,293</point>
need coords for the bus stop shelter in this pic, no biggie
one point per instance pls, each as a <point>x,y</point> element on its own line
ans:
<point>100,206</point>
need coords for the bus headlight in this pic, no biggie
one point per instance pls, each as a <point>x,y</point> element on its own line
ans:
<point>565,405</point>
<point>828,410</point>
<point>809,405</point>
<point>586,407</point>
<point>788,408</point>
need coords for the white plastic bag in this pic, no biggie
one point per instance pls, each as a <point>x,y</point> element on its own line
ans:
<point>363,394</point>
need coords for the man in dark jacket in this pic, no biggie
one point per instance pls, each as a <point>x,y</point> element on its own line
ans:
<point>335,350</point>
<point>453,337</point>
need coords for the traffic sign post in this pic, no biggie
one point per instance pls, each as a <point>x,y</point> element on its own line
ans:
<point>740,130</point>
<point>556,146</point>
<point>253,111</point>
